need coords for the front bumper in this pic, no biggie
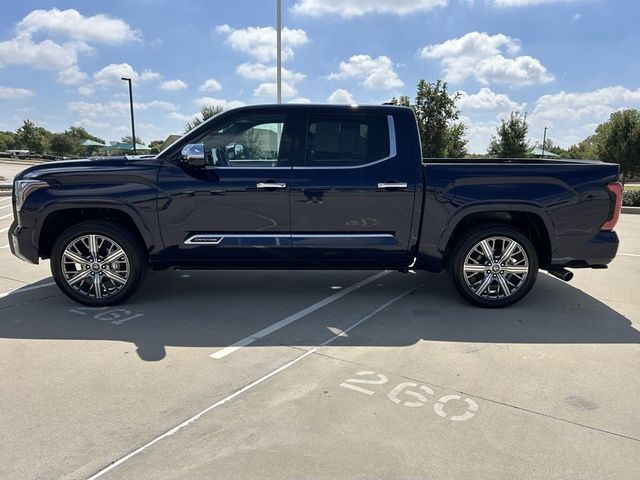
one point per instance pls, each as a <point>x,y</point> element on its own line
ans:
<point>585,251</point>
<point>21,243</point>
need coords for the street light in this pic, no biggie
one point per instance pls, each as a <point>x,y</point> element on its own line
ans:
<point>544,141</point>
<point>133,127</point>
<point>279,50</point>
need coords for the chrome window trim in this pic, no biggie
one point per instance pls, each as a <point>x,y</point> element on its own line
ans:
<point>393,151</point>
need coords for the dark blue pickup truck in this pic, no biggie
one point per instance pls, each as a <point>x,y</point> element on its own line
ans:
<point>314,187</point>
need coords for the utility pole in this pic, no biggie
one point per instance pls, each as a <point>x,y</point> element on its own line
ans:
<point>279,50</point>
<point>133,126</point>
<point>544,141</point>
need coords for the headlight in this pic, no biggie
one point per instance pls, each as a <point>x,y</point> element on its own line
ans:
<point>23,188</point>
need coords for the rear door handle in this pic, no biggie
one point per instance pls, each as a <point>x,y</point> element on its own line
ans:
<point>271,185</point>
<point>392,185</point>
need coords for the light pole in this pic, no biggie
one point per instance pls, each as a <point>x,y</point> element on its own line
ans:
<point>133,126</point>
<point>279,50</point>
<point>544,141</point>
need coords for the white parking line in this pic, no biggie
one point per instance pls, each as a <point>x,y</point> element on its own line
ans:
<point>296,316</point>
<point>629,255</point>
<point>6,206</point>
<point>4,246</point>
<point>6,216</point>
<point>246,387</point>
<point>4,229</point>
<point>26,289</point>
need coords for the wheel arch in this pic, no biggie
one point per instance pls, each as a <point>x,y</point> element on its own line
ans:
<point>532,221</point>
<point>59,220</point>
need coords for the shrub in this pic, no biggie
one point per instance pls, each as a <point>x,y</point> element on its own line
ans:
<point>631,198</point>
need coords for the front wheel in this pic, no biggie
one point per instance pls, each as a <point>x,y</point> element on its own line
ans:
<point>493,266</point>
<point>97,263</point>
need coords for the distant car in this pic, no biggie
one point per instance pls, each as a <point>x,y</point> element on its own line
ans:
<point>19,153</point>
<point>315,187</point>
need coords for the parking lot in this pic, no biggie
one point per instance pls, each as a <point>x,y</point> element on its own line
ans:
<point>269,374</point>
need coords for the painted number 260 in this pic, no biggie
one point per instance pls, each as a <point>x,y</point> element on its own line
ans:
<point>409,394</point>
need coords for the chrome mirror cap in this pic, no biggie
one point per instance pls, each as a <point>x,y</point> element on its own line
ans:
<point>193,154</point>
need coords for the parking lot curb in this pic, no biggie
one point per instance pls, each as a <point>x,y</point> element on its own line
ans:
<point>631,210</point>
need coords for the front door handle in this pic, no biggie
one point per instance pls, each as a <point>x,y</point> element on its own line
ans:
<point>271,185</point>
<point>392,185</point>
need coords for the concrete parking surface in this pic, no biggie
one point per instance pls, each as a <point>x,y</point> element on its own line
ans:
<point>246,374</point>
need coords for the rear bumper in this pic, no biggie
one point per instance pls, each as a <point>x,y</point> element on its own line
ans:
<point>21,243</point>
<point>585,251</point>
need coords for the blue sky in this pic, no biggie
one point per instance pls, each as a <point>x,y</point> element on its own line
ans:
<point>567,63</point>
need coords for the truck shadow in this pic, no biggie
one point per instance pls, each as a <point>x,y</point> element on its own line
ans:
<point>216,309</point>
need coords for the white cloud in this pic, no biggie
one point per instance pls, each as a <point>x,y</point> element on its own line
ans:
<point>341,96</point>
<point>180,116</point>
<point>356,8</point>
<point>526,3</point>
<point>212,102</point>
<point>115,108</point>
<point>149,76</point>
<point>300,100</point>
<point>112,74</point>
<point>70,23</point>
<point>260,42</point>
<point>487,101</point>
<point>375,73</point>
<point>46,55</point>
<point>479,133</point>
<point>268,90</point>
<point>261,72</point>
<point>210,85</point>
<point>72,76</point>
<point>77,32</point>
<point>173,85</point>
<point>88,123</point>
<point>595,106</point>
<point>15,93</point>
<point>488,59</point>
<point>85,91</point>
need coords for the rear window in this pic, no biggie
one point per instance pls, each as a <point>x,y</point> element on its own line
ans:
<point>346,140</point>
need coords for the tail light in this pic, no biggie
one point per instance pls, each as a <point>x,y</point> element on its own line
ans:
<point>615,192</point>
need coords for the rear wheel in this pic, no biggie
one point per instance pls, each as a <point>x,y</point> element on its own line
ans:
<point>493,266</point>
<point>96,263</point>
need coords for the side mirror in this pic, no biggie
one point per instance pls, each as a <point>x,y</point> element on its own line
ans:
<point>193,154</point>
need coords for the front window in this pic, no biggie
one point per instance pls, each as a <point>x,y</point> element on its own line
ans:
<point>248,141</point>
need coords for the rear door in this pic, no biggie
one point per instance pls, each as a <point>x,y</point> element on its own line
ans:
<point>352,192</point>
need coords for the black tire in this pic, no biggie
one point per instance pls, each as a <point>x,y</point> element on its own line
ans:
<point>493,294</point>
<point>133,262</point>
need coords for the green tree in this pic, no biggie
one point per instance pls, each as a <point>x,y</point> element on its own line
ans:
<point>62,144</point>
<point>206,113</point>
<point>7,141</point>
<point>127,139</point>
<point>511,138</point>
<point>155,146</point>
<point>587,149</point>
<point>456,141</point>
<point>436,112</point>
<point>30,137</point>
<point>619,141</point>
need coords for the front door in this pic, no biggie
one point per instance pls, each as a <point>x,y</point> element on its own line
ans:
<point>352,200</point>
<point>235,210</point>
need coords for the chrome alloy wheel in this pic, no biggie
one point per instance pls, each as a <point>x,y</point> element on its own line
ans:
<point>95,266</point>
<point>496,267</point>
